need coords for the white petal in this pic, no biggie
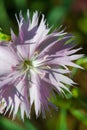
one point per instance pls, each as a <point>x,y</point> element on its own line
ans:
<point>7,55</point>
<point>23,51</point>
<point>17,104</point>
<point>34,21</point>
<point>22,96</point>
<point>35,93</point>
<point>41,32</point>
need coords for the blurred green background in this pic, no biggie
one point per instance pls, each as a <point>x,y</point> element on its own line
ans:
<point>72,109</point>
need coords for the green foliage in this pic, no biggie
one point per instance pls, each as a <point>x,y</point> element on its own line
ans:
<point>29,125</point>
<point>82,62</point>
<point>4,19</point>
<point>80,115</point>
<point>11,125</point>
<point>62,122</point>
<point>20,3</point>
<point>82,24</point>
<point>57,15</point>
<point>4,37</point>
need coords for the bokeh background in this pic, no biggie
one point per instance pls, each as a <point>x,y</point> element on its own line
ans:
<point>72,109</point>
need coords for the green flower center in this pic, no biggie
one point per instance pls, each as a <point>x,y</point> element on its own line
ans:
<point>26,64</point>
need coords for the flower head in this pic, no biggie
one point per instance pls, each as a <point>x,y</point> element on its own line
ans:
<point>33,65</point>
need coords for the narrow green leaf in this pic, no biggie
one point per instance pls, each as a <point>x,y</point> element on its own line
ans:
<point>80,115</point>
<point>10,125</point>
<point>62,123</point>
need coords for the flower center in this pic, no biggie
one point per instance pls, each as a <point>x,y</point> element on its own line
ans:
<point>26,64</point>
